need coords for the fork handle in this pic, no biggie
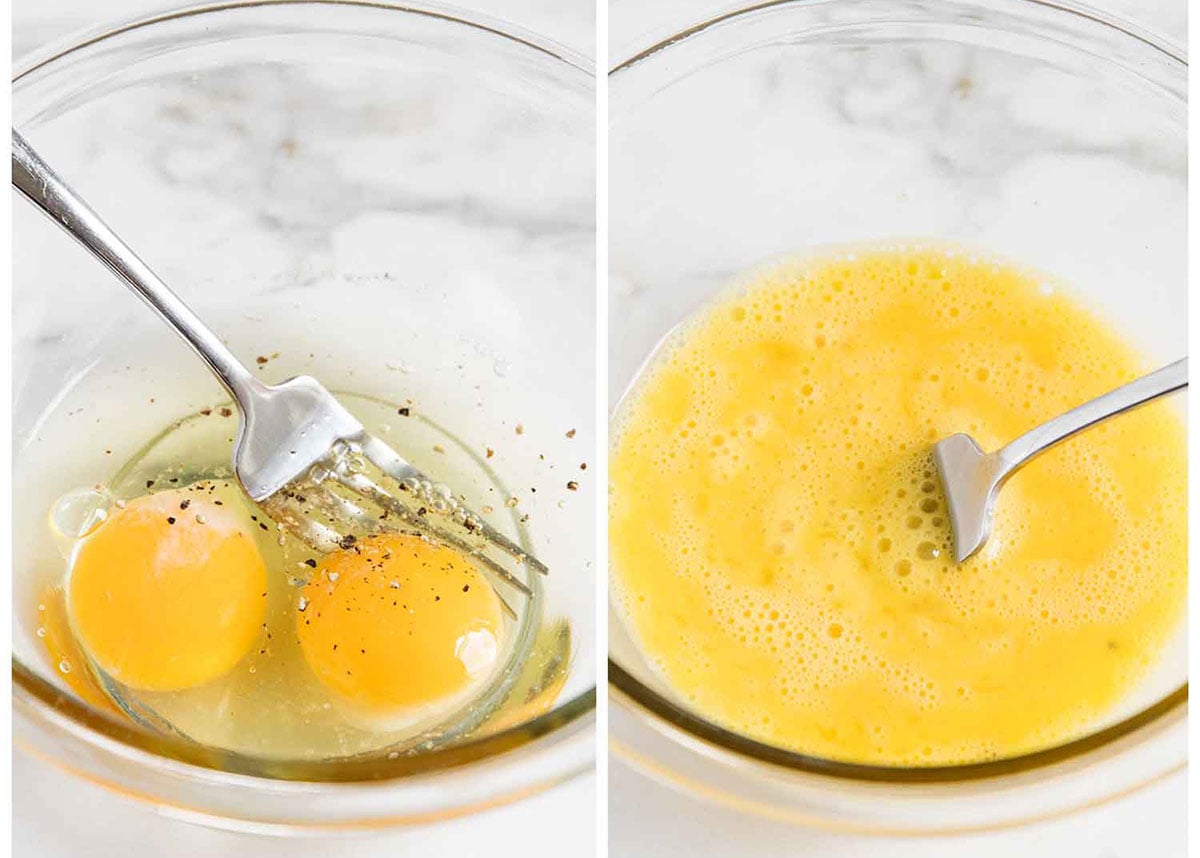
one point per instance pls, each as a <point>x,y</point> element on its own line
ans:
<point>1168,379</point>
<point>45,189</point>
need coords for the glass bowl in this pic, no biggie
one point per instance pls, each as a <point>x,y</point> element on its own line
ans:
<point>1037,131</point>
<point>398,201</point>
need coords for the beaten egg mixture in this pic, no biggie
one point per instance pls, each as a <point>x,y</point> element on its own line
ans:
<point>779,544</point>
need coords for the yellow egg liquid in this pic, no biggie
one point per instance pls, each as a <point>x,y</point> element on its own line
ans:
<point>377,678</point>
<point>778,539</point>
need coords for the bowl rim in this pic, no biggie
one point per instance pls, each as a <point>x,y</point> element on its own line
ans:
<point>51,705</point>
<point>89,36</point>
<point>682,724</point>
<point>659,42</point>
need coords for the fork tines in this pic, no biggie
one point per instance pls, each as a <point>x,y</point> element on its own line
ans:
<point>317,508</point>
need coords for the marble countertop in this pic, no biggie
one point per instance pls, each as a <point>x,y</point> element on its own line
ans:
<point>649,819</point>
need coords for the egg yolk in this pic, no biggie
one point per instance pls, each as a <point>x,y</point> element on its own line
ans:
<point>168,593</point>
<point>399,628</point>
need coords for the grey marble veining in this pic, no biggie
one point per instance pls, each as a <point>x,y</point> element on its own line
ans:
<point>1062,162</point>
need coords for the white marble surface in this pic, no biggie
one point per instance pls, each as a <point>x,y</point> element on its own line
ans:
<point>56,816</point>
<point>647,818</point>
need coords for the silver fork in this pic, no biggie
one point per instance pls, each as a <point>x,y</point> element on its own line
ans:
<point>971,479</point>
<point>298,453</point>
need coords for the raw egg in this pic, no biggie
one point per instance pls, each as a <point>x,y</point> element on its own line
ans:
<point>169,592</point>
<point>399,629</point>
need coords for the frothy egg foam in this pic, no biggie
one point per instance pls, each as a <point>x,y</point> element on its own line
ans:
<point>780,547</point>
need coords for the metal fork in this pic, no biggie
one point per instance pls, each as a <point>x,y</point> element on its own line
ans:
<point>971,479</point>
<point>299,453</point>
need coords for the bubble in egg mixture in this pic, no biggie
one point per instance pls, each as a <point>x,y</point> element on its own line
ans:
<point>780,545</point>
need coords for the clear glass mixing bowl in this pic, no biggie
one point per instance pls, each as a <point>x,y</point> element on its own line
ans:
<point>1038,131</point>
<point>398,201</point>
